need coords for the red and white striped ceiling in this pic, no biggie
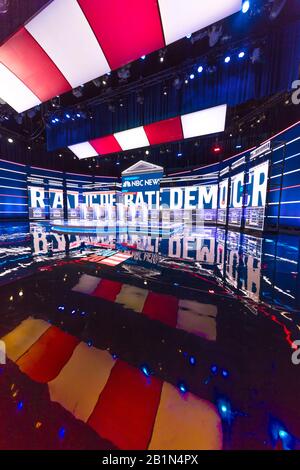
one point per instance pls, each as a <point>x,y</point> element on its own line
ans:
<point>204,122</point>
<point>71,42</point>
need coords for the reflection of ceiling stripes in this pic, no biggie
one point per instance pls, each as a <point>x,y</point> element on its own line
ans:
<point>71,42</point>
<point>192,316</point>
<point>204,122</point>
<point>112,397</point>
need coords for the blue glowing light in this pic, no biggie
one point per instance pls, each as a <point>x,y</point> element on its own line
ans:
<point>188,36</point>
<point>192,76</point>
<point>179,154</point>
<point>68,116</point>
<point>192,360</point>
<point>20,405</point>
<point>200,69</point>
<point>182,387</point>
<point>241,54</point>
<point>245,6</point>
<point>78,115</point>
<point>56,120</point>
<point>225,411</point>
<point>62,433</point>
<point>89,344</point>
<point>83,313</point>
<point>60,307</point>
<point>227,59</point>
<point>114,356</point>
<point>225,373</point>
<point>214,369</point>
<point>146,371</point>
<point>73,312</point>
<point>279,431</point>
<point>53,121</point>
<point>143,57</point>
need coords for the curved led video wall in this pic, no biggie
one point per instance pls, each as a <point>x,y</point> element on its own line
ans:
<point>256,189</point>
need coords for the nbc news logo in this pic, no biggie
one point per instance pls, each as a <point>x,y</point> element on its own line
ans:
<point>2,353</point>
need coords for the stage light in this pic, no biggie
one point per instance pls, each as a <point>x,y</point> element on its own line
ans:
<point>245,6</point>
<point>225,373</point>
<point>53,121</point>
<point>146,371</point>
<point>188,36</point>
<point>78,115</point>
<point>186,81</point>
<point>20,405</point>
<point>227,59</point>
<point>192,360</point>
<point>200,69</point>
<point>179,154</point>
<point>241,54</point>
<point>225,411</point>
<point>162,55</point>
<point>147,152</point>
<point>143,57</point>
<point>192,76</point>
<point>10,140</point>
<point>214,369</point>
<point>61,433</point>
<point>182,387</point>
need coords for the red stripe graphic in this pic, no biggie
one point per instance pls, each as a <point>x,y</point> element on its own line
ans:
<point>164,131</point>
<point>107,289</point>
<point>127,426</point>
<point>162,308</point>
<point>125,30</point>
<point>23,56</point>
<point>48,355</point>
<point>105,145</point>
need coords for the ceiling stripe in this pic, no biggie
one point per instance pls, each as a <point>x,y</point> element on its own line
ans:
<point>105,145</point>
<point>207,121</point>
<point>204,122</point>
<point>64,33</point>
<point>83,150</point>
<point>132,138</point>
<point>180,18</point>
<point>168,130</point>
<point>14,92</point>
<point>125,30</point>
<point>23,56</point>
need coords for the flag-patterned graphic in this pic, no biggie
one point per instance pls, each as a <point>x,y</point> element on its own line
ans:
<point>91,39</point>
<point>117,401</point>
<point>189,315</point>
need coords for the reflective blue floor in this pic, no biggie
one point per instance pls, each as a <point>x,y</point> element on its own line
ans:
<point>209,311</point>
<point>261,268</point>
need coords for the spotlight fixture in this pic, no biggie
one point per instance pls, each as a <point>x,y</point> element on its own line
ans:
<point>124,73</point>
<point>140,98</point>
<point>10,140</point>
<point>200,69</point>
<point>4,4</point>
<point>177,83</point>
<point>161,55</point>
<point>245,6</point>
<point>77,92</point>
<point>97,82</point>
<point>227,59</point>
<point>241,54</point>
<point>192,76</point>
